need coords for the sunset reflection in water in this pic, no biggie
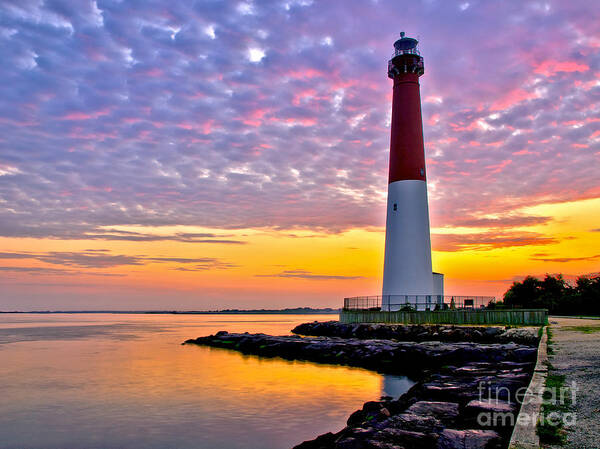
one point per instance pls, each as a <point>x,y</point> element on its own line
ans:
<point>101,380</point>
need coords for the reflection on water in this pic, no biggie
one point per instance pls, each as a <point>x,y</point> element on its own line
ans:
<point>114,381</point>
<point>395,386</point>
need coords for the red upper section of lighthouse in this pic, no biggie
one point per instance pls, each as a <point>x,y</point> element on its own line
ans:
<point>407,154</point>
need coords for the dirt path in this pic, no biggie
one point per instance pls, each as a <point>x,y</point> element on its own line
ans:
<point>577,356</point>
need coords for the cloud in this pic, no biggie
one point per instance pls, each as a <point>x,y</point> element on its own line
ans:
<point>208,264</point>
<point>552,67</point>
<point>84,232</point>
<point>302,274</point>
<point>100,259</point>
<point>178,237</point>
<point>55,271</point>
<point>77,259</point>
<point>503,221</point>
<point>565,259</point>
<point>164,118</point>
<point>488,240</point>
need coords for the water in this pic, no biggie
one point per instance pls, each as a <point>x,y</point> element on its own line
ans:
<point>125,381</point>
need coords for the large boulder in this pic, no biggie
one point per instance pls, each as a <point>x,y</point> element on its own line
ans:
<point>412,422</point>
<point>407,438</point>
<point>324,441</point>
<point>446,412</point>
<point>492,414</point>
<point>469,439</point>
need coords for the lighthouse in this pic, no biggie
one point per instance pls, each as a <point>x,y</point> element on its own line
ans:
<point>407,274</point>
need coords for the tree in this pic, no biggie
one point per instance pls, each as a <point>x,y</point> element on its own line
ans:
<point>587,294</point>
<point>524,294</point>
<point>556,294</point>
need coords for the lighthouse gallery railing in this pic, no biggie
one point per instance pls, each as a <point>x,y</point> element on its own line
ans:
<point>416,302</point>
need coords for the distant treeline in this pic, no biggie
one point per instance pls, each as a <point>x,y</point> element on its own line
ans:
<point>296,310</point>
<point>556,294</point>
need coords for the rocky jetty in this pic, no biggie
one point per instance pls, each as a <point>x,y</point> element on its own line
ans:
<point>477,334</point>
<point>471,406</point>
<point>408,358</point>
<point>467,396</point>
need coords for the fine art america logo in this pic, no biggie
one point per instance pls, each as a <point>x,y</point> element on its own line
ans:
<point>503,407</point>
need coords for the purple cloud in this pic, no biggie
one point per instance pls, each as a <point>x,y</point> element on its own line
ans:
<point>275,115</point>
<point>102,259</point>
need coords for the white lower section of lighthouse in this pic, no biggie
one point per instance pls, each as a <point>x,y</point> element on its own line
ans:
<point>407,275</point>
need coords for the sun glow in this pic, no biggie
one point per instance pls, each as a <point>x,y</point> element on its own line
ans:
<point>262,267</point>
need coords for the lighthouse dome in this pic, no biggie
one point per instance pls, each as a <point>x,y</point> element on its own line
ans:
<point>405,44</point>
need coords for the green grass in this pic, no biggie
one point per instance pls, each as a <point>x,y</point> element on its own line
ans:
<point>548,432</point>
<point>556,399</point>
<point>550,341</point>
<point>584,329</point>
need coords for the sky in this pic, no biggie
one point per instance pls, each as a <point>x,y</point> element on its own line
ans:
<point>213,154</point>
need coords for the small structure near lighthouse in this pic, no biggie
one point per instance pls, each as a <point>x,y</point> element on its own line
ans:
<point>407,274</point>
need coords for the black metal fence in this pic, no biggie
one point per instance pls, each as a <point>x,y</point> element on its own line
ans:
<point>416,302</point>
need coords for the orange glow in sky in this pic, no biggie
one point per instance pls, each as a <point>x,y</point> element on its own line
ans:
<point>288,269</point>
<point>162,164</point>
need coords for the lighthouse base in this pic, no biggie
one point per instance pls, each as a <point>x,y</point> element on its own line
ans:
<point>407,275</point>
<point>435,301</point>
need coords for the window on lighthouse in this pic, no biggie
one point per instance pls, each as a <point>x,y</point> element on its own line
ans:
<point>395,206</point>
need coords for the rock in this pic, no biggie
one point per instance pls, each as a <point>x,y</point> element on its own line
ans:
<point>360,433</point>
<point>492,414</point>
<point>412,422</point>
<point>350,443</point>
<point>489,405</point>
<point>446,412</point>
<point>427,415</point>
<point>383,355</point>
<point>492,331</point>
<point>372,406</point>
<point>321,442</point>
<point>373,444</point>
<point>522,335</point>
<point>480,334</point>
<point>356,418</point>
<point>469,439</point>
<point>407,438</point>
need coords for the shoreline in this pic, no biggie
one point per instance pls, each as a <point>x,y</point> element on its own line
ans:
<point>300,311</point>
<point>456,384</point>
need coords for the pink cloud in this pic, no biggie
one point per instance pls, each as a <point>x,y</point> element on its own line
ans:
<point>205,128</point>
<point>524,152</point>
<point>488,241</point>
<point>130,120</point>
<point>512,98</point>
<point>551,67</point>
<point>79,115</point>
<point>255,117</point>
<point>306,74</point>
<point>433,119</point>
<point>303,121</point>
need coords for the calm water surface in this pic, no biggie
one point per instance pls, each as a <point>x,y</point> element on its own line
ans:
<point>125,381</point>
